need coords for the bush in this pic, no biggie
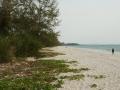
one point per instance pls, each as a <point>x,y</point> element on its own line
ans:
<point>4,50</point>
<point>49,38</point>
<point>18,46</point>
<point>27,46</point>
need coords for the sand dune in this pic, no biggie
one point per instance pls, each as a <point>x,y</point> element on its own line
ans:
<point>99,63</point>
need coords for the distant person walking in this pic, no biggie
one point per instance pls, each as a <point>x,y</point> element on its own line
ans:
<point>113,50</point>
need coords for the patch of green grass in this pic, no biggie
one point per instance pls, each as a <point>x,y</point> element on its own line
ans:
<point>38,75</point>
<point>73,77</point>
<point>97,76</point>
<point>72,62</point>
<point>59,83</point>
<point>48,54</point>
<point>93,86</point>
<point>47,50</point>
<point>79,70</point>
<point>84,69</point>
<point>25,83</point>
<point>76,77</point>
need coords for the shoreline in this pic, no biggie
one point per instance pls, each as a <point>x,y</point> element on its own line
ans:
<point>93,49</point>
<point>102,51</point>
<point>99,62</point>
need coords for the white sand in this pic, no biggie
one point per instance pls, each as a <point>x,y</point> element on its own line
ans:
<point>99,63</point>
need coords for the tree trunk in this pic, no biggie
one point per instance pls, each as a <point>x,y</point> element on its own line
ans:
<point>5,16</point>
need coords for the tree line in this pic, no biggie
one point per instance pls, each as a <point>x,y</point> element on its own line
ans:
<point>26,26</point>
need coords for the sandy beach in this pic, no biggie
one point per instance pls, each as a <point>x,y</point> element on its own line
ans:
<point>99,63</point>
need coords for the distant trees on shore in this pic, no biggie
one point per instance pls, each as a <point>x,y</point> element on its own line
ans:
<point>26,26</point>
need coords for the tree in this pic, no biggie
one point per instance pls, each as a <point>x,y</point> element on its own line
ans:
<point>41,14</point>
<point>29,24</point>
<point>5,17</point>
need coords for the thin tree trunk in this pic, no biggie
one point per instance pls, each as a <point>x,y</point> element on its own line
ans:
<point>5,15</point>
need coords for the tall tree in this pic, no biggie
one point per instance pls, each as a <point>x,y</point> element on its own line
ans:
<point>5,16</point>
<point>41,14</point>
<point>29,24</point>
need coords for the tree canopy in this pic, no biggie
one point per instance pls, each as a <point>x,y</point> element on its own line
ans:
<point>28,25</point>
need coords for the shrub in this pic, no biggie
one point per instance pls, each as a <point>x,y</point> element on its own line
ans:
<point>27,46</point>
<point>4,50</point>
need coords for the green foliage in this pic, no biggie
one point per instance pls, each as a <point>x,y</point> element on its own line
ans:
<point>38,75</point>
<point>49,38</point>
<point>4,50</point>
<point>59,83</point>
<point>97,76</point>
<point>28,25</point>
<point>24,84</point>
<point>93,86</point>
<point>73,77</point>
<point>27,46</point>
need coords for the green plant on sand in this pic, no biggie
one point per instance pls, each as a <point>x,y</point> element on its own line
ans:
<point>38,75</point>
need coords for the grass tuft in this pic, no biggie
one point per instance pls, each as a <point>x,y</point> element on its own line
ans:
<point>35,75</point>
<point>73,77</point>
<point>93,86</point>
<point>48,53</point>
<point>72,62</point>
<point>97,76</point>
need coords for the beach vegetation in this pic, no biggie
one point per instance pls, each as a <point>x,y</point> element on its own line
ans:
<point>47,53</point>
<point>97,76</point>
<point>79,70</point>
<point>84,69</point>
<point>71,62</point>
<point>26,26</point>
<point>73,77</point>
<point>39,75</point>
<point>59,83</point>
<point>93,86</point>
<point>4,50</point>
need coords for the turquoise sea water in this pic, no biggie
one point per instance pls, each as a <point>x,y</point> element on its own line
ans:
<point>99,47</point>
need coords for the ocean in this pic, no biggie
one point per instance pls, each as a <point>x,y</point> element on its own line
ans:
<point>98,47</point>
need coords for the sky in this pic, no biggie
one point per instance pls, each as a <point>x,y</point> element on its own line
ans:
<point>89,21</point>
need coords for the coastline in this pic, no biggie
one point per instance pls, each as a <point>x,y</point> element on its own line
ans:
<point>104,51</point>
<point>99,62</point>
